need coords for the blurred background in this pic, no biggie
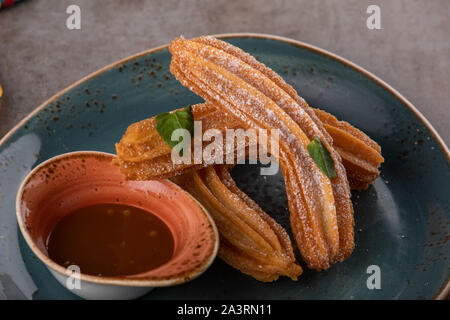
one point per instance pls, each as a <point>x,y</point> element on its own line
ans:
<point>40,56</point>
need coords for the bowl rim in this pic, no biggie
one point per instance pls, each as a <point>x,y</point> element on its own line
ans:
<point>119,280</point>
<point>444,291</point>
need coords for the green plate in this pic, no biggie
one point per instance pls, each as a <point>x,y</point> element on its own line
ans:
<point>402,221</point>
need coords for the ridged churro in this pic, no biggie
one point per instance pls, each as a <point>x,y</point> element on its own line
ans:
<point>208,71</point>
<point>251,241</point>
<point>144,155</point>
<point>361,156</point>
<point>242,93</point>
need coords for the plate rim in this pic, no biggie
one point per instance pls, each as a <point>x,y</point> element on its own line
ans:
<point>444,292</point>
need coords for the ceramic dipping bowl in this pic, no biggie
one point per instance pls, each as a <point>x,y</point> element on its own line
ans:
<point>70,181</point>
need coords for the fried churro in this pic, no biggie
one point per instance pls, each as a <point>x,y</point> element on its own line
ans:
<point>242,93</point>
<point>251,241</point>
<point>361,156</point>
<point>144,155</point>
<point>310,195</point>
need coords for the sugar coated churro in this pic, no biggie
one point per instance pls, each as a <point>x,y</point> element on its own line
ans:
<point>242,93</point>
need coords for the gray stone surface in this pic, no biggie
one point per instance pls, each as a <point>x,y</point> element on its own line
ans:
<point>39,56</point>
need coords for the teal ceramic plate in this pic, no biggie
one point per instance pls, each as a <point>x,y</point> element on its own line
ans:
<point>402,221</point>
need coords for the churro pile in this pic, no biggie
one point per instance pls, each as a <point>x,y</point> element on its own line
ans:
<point>242,93</point>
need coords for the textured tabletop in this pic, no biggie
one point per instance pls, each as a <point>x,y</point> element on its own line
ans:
<point>39,55</point>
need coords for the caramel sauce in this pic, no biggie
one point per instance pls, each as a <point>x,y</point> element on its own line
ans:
<point>111,240</point>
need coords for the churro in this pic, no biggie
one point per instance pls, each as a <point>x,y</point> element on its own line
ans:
<point>251,241</point>
<point>310,195</point>
<point>242,93</point>
<point>361,156</point>
<point>143,155</point>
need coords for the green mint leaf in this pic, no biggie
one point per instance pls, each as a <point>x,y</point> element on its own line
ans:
<point>166,123</point>
<point>321,157</point>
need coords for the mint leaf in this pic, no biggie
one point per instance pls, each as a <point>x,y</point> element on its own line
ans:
<point>166,123</point>
<point>321,157</point>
